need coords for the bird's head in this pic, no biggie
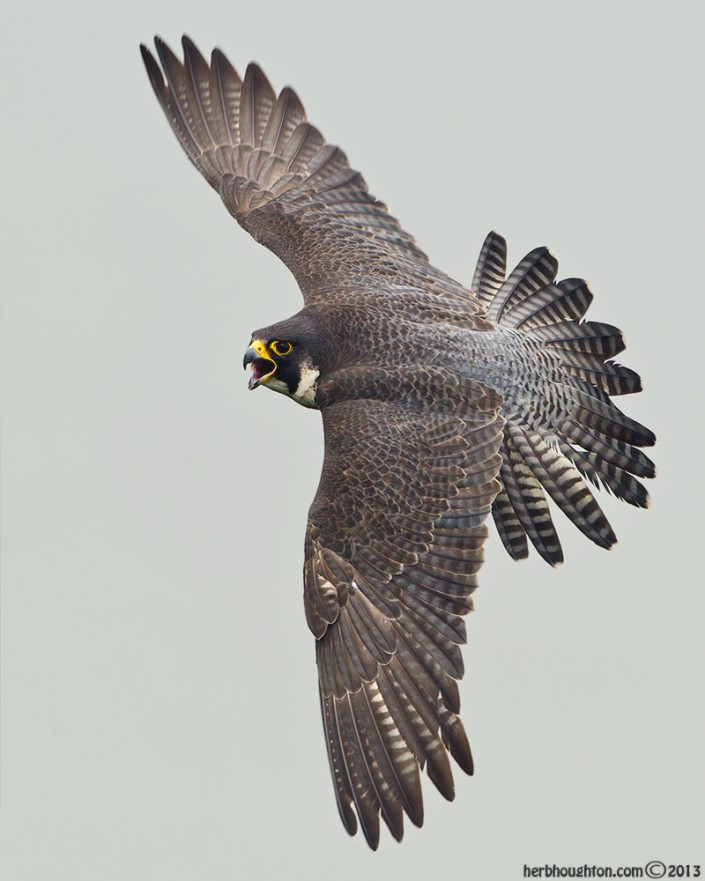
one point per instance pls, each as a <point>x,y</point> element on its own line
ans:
<point>282,363</point>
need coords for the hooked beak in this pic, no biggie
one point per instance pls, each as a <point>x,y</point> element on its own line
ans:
<point>261,364</point>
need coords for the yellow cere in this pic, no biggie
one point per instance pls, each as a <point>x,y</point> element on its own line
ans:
<point>261,349</point>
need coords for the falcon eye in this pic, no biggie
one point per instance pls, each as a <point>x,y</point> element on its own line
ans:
<point>281,347</point>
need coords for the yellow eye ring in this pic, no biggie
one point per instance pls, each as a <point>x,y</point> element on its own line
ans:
<point>281,347</point>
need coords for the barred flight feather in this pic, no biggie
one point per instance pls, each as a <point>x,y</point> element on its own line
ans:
<point>591,337</point>
<point>491,268</point>
<point>581,432</point>
<point>525,494</point>
<point>534,272</point>
<point>614,479</point>
<point>562,480</point>
<point>509,527</point>
<point>599,413</point>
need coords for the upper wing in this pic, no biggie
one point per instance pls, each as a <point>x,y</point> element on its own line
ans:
<point>283,183</point>
<point>393,546</point>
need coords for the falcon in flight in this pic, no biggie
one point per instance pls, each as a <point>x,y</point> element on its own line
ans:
<point>440,404</point>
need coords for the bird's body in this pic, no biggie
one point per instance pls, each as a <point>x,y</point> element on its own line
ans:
<point>441,403</point>
<point>514,364</point>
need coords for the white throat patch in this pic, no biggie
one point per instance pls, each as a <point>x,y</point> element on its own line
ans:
<point>305,393</point>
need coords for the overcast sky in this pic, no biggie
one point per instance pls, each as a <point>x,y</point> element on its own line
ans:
<point>159,702</point>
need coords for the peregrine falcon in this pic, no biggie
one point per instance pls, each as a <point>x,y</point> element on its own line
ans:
<point>440,404</point>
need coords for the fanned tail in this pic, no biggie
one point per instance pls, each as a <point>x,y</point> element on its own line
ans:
<point>592,438</point>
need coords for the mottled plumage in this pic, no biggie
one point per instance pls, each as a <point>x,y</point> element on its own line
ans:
<point>440,403</point>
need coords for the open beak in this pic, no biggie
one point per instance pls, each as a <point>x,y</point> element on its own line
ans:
<point>261,365</point>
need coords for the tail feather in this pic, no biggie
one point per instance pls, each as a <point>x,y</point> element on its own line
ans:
<point>525,493</point>
<point>583,434</point>
<point>615,480</point>
<point>608,376</point>
<point>591,337</point>
<point>491,268</point>
<point>568,300</point>
<point>600,414</point>
<point>535,271</point>
<point>509,527</point>
<point>566,487</point>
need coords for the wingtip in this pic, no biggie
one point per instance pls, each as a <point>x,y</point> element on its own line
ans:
<point>347,815</point>
<point>397,832</point>
<point>154,72</point>
<point>163,48</point>
<point>255,73</point>
<point>371,837</point>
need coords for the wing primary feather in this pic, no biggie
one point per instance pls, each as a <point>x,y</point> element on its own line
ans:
<point>364,797</point>
<point>379,768</point>
<point>455,738</point>
<point>175,79</point>
<point>197,86</point>
<point>227,86</point>
<point>341,781</point>
<point>401,759</point>
<point>421,714</point>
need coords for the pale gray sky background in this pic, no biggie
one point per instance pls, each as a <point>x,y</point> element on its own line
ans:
<point>159,703</point>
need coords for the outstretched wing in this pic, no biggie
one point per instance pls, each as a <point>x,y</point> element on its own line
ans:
<point>283,183</point>
<point>393,547</point>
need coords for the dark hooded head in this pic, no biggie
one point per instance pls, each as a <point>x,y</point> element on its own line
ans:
<point>283,357</point>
